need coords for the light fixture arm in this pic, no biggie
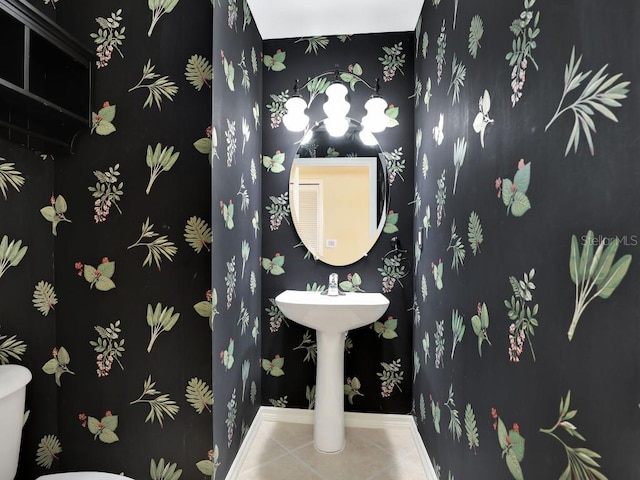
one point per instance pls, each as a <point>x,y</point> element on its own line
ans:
<point>337,105</point>
<point>336,72</point>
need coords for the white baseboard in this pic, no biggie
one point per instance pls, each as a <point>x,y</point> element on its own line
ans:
<point>352,419</point>
<point>245,446</point>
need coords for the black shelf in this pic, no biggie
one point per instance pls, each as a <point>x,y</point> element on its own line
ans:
<point>45,80</point>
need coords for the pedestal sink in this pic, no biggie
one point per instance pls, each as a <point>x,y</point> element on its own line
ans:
<point>331,317</point>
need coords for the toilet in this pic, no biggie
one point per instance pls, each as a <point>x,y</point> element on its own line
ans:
<point>13,387</point>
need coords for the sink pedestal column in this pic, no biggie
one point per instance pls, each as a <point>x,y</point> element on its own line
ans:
<point>328,430</point>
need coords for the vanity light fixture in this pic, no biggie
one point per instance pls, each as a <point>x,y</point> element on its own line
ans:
<point>295,119</point>
<point>336,107</point>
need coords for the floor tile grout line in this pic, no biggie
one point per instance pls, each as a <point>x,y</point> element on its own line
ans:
<point>309,467</point>
<point>293,449</point>
<point>272,459</point>
<point>394,460</point>
<point>394,456</point>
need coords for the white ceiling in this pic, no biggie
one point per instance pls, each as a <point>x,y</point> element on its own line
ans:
<point>306,18</point>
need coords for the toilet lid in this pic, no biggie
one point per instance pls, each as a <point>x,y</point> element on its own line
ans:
<point>84,476</point>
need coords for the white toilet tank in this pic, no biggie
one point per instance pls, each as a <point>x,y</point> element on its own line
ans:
<point>13,382</point>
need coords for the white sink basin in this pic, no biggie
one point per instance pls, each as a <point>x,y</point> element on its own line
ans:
<point>331,317</point>
<point>332,313</point>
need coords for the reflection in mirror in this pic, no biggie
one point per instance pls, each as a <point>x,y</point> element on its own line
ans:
<point>338,194</point>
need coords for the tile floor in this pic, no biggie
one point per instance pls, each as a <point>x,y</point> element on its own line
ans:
<point>283,450</point>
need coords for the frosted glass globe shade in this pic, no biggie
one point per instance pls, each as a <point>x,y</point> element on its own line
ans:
<point>375,120</point>
<point>336,104</point>
<point>367,138</point>
<point>295,119</point>
<point>295,104</point>
<point>336,127</point>
<point>295,122</point>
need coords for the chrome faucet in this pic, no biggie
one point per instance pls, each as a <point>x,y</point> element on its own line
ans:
<point>333,285</point>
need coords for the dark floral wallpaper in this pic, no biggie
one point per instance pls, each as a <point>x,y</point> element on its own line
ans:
<point>236,190</point>
<point>525,344</point>
<point>377,359</point>
<point>112,299</point>
<point>511,332</point>
<point>28,329</point>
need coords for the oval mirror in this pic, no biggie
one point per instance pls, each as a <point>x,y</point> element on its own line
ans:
<point>338,193</point>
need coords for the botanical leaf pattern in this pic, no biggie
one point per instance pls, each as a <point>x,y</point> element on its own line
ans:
<point>160,319</point>
<point>471,427</point>
<point>198,71</point>
<point>386,329</point>
<point>392,61</point>
<point>105,148</point>
<point>482,118</point>
<point>226,356</point>
<point>44,297</point>
<point>229,71</point>
<point>274,367</point>
<point>441,198</point>
<point>197,233</point>
<point>314,43</point>
<point>199,395</point>
<point>476,30</point>
<point>160,87</point>
<point>160,404</point>
<point>58,364</point>
<point>208,308</point>
<point>457,329</point>
<point>480,324</point>
<point>102,122</point>
<point>109,37</point>
<point>512,445</point>
<point>455,427</point>
<point>275,62</point>
<point>11,348</point>
<point>274,164</point>
<point>442,46</point>
<point>457,247</point>
<point>275,265</point>
<point>458,75</point>
<point>103,429</point>
<point>525,29</point>
<point>514,192</point>
<point>159,159</point>
<point>162,470</point>
<point>599,95</point>
<point>459,152</point>
<point>109,348</point>
<point>435,414</point>
<point>523,315</point>
<point>581,462</point>
<point>391,377</point>
<point>48,450</point>
<point>474,235</point>
<point>9,177</point>
<point>11,253</point>
<point>54,213</point>
<point>594,274</point>
<point>157,248</point>
<point>158,9</point>
<point>99,277</point>
<point>107,192</point>
<point>352,389</point>
<point>236,232</point>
